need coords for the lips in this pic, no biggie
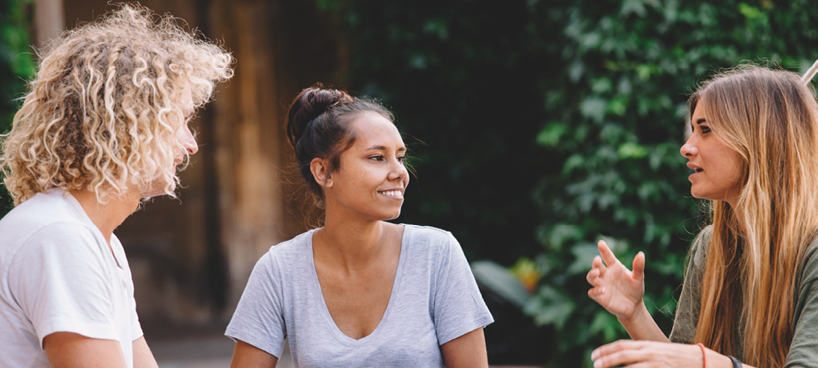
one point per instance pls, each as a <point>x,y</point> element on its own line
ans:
<point>696,169</point>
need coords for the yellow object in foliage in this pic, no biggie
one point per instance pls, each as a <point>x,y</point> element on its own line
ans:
<point>527,271</point>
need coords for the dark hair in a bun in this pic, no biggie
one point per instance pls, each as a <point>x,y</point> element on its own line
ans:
<point>317,126</point>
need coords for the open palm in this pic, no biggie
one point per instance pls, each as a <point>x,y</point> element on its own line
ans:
<point>616,288</point>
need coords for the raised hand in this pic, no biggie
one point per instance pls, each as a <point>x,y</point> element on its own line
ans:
<point>616,288</point>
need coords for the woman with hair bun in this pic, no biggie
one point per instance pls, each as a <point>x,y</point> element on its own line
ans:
<point>358,291</point>
<point>750,296</point>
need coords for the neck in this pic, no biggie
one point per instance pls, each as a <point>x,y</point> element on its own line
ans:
<point>351,244</point>
<point>106,216</point>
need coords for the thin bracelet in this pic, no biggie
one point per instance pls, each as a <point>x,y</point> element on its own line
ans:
<point>736,362</point>
<point>704,355</point>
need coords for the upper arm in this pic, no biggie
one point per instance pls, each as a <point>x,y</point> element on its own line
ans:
<point>61,282</point>
<point>67,349</point>
<point>458,306</point>
<point>249,356</point>
<point>259,316</point>
<point>804,347</point>
<point>468,350</point>
<point>142,356</point>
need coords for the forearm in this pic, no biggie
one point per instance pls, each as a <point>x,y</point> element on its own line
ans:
<point>642,326</point>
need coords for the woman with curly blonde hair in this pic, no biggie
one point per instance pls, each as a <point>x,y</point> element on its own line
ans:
<point>750,296</point>
<point>104,125</point>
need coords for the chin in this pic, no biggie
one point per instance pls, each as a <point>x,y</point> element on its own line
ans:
<point>392,216</point>
<point>156,191</point>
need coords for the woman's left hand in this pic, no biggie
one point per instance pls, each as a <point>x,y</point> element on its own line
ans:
<point>638,354</point>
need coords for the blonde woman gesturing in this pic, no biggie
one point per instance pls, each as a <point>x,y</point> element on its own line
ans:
<point>750,296</point>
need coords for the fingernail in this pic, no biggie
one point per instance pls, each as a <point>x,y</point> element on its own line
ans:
<point>602,290</point>
<point>597,364</point>
<point>594,354</point>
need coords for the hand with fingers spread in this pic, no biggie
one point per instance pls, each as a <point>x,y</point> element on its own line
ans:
<point>616,288</point>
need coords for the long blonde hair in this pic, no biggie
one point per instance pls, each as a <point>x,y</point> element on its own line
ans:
<point>769,117</point>
<point>98,114</point>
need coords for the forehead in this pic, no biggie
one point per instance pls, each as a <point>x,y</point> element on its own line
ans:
<point>699,111</point>
<point>185,100</point>
<point>371,128</point>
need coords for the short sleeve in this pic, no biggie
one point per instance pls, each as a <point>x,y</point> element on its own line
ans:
<point>458,306</point>
<point>258,319</point>
<point>687,310</point>
<point>136,327</point>
<point>804,347</point>
<point>59,279</point>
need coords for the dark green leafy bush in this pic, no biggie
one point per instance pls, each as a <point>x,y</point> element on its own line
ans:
<point>551,124</point>
<point>616,110</point>
<point>559,122</point>
<point>16,67</point>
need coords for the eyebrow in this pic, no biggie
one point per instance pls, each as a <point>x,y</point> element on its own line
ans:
<point>700,121</point>
<point>380,147</point>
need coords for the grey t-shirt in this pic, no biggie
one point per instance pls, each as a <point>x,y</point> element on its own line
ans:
<point>804,347</point>
<point>434,300</point>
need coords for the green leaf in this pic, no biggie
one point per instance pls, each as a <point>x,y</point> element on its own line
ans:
<point>607,324</point>
<point>631,150</point>
<point>583,257</point>
<point>550,135</point>
<point>550,307</point>
<point>594,108</point>
<point>501,281</point>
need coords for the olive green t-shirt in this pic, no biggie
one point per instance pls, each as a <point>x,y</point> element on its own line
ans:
<point>804,348</point>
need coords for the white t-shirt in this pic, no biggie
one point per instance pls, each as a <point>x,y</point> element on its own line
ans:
<point>58,275</point>
<point>434,300</point>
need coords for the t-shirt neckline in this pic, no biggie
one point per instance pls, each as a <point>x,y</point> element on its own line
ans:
<point>330,324</point>
<point>75,204</point>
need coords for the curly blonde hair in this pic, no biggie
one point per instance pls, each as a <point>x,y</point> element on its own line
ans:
<point>100,113</point>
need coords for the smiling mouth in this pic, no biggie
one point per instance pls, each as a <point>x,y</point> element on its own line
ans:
<point>392,193</point>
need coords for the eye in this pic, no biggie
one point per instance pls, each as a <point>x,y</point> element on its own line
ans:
<point>401,159</point>
<point>705,129</point>
<point>376,158</point>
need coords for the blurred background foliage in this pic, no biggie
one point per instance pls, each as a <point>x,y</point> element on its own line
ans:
<point>539,127</point>
<point>16,67</point>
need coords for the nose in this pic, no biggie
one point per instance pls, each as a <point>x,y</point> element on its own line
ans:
<point>398,171</point>
<point>689,149</point>
<point>188,141</point>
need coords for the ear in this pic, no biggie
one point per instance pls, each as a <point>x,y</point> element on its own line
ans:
<point>320,170</point>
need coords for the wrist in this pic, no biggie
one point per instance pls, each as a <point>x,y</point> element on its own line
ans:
<point>639,313</point>
<point>716,360</point>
